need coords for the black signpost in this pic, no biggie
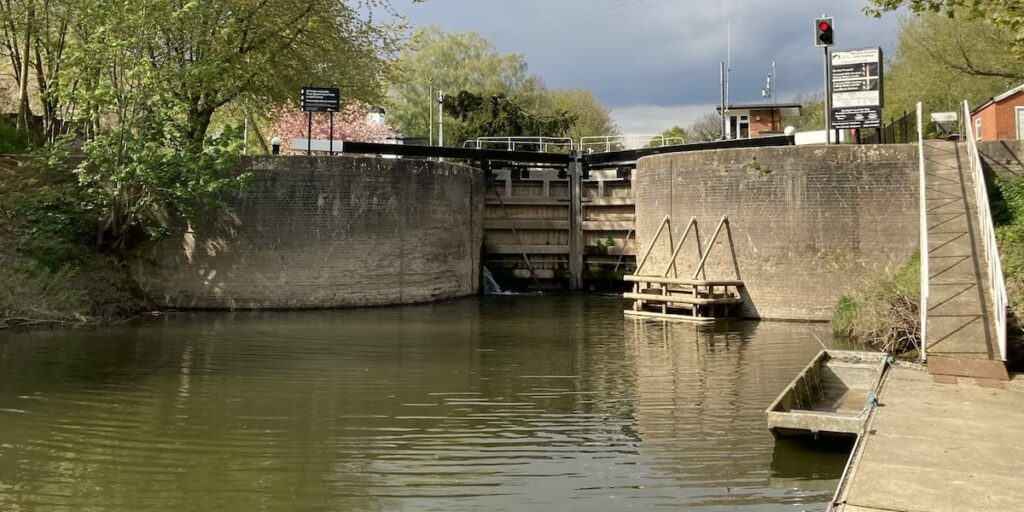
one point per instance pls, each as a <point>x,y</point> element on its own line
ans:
<point>320,99</point>
<point>856,88</point>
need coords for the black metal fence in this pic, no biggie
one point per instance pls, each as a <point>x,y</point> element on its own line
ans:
<point>901,130</point>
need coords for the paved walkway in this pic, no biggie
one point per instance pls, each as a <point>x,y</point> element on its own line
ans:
<point>939,447</point>
<point>960,337</point>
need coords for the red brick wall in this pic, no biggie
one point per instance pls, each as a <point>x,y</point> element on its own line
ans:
<point>988,123</point>
<point>999,120</point>
<point>761,121</point>
<point>1006,117</point>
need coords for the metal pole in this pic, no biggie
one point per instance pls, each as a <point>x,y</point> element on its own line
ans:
<point>721,85</point>
<point>430,113</point>
<point>309,133</point>
<point>440,118</point>
<point>245,136</point>
<point>330,143</point>
<point>924,251</point>
<point>828,102</point>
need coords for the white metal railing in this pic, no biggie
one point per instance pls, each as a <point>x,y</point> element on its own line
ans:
<point>997,284</point>
<point>525,143</point>
<point>923,251</point>
<point>607,143</point>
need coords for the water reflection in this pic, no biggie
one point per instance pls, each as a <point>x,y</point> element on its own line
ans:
<point>503,403</point>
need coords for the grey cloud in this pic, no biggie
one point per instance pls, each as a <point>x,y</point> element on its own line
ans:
<point>658,52</point>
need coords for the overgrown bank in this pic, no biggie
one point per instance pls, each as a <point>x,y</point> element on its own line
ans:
<point>884,313</point>
<point>51,272</point>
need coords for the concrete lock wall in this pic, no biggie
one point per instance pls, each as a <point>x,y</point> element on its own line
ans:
<point>809,223</point>
<point>327,232</point>
<point>1002,157</point>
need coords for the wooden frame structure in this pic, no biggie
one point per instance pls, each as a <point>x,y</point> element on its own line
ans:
<point>695,299</point>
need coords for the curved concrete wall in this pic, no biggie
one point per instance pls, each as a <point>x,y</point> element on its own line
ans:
<point>327,232</point>
<point>809,223</point>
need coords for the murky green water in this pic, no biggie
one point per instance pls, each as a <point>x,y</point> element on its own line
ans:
<point>508,403</point>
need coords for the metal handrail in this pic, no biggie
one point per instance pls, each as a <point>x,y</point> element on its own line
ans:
<point>923,251</point>
<point>997,283</point>
<point>631,141</point>
<point>511,143</point>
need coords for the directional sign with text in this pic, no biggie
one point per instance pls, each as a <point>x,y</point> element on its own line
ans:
<point>321,99</point>
<point>856,85</point>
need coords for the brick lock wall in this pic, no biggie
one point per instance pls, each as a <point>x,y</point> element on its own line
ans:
<point>327,232</point>
<point>809,223</point>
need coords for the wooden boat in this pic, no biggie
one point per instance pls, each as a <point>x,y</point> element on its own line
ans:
<point>830,397</point>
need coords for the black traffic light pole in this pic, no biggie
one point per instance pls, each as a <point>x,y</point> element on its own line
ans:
<point>828,101</point>
<point>825,37</point>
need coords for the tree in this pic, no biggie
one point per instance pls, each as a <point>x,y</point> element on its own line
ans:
<point>501,116</point>
<point>351,123</point>
<point>204,55</point>
<point>591,117</point>
<point>972,61</point>
<point>675,135</point>
<point>1007,14</point>
<point>434,61</point>
<point>34,37</point>
<point>706,128</point>
<point>145,79</point>
<point>812,112</point>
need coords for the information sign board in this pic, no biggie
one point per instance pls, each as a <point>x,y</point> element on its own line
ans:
<point>321,99</point>
<point>856,88</point>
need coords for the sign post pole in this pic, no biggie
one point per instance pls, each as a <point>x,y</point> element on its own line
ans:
<point>330,138</point>
<point>828,101</point>
<point>309,133</point>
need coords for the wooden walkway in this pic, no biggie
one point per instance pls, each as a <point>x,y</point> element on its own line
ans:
<point>960,337</point>
<point>934,447</point>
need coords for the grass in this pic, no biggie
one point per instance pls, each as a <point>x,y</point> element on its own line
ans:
<point>884,313</point>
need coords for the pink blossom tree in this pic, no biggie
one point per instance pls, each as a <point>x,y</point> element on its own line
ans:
<point>352,124</point>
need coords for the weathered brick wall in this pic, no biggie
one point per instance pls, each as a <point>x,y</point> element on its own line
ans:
<point>1002,157</point>
<point>328,232</point>
<point>809,223</point>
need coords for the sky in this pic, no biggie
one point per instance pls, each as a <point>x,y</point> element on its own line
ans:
<point>655,63</point>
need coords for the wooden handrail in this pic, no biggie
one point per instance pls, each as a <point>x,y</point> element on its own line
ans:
<point>711,245</point>
<point>667,221</point>
<point>679,246</point>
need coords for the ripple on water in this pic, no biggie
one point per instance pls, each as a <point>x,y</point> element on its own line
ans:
<point>503,403</point>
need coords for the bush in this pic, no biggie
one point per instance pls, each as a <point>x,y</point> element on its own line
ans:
<point>885,313</point>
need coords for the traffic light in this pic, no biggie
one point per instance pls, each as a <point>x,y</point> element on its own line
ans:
<point>823,32</point>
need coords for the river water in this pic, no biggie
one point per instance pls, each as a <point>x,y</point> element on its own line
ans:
<point>494,403</point>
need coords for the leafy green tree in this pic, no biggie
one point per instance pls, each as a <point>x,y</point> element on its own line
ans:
<point>812,112</point>
<point>942,60</point>
<point>435,60</point>
<point>591,117</point>
<point>1008,14</point>
<point>500,116</point>
<point>675,135</point>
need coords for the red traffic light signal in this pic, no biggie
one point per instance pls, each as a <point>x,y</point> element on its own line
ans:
<point>823,35</point>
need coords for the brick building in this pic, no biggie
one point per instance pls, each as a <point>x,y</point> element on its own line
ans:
<point>750,121</point>
<point>1000,117</point>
